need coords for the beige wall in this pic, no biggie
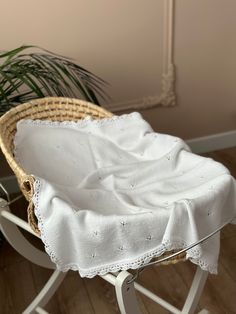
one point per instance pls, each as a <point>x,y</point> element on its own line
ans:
<point>205,52</point>
<point>122,42</point>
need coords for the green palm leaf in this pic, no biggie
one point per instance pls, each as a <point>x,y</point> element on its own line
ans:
<point>27,75</point>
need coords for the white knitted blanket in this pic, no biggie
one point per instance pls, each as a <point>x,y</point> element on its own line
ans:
<point>112,194</point>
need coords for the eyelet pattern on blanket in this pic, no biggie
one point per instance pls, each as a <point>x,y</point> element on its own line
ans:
<point>112,194</point>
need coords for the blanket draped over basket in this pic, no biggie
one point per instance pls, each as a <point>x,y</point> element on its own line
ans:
<point>112,194</point>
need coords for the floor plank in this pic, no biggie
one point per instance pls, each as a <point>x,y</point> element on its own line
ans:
<point>228,255</point>
<point>102,299</point>
<point>73,297</point>
<point>166,283</point>
<point>17,279</point>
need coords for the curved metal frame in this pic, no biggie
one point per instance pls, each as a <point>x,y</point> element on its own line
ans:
<point>183,250</point>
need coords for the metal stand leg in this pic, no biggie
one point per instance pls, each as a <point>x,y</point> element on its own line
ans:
<point>9,225</point>
<point>125,293</point>
<point>195,292</point>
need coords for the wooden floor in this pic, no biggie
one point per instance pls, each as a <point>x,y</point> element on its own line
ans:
<point>20,280</point>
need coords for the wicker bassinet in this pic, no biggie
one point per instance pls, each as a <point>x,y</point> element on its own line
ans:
<point>54,109</point>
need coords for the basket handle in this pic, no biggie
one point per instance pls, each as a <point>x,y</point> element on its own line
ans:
<point>32,220</point>
<point>27,187</point>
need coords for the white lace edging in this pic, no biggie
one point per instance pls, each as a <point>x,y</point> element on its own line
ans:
<point>193,254</point>
<point>88,120</point>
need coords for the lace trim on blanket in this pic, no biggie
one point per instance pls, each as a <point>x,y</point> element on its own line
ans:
<point>88,120</point>
<point>193,254</point>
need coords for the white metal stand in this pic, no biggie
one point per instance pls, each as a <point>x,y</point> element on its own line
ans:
<point>195,291</point>
<point>123,281</point>
<point>126,297</point>
<point>125,293</point>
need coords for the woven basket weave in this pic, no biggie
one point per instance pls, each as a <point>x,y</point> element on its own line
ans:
<point>54,109</point>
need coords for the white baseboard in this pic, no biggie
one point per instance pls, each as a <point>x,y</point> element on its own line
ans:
<point>213,142</point>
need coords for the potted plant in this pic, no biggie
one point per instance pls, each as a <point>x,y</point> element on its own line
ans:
<point>29,72</point>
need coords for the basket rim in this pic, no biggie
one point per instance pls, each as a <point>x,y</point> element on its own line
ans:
<point>35,104</point>
<point>41,101</point>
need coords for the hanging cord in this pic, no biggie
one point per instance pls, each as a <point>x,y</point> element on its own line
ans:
<point>135,276</point>
<point>9,201</point>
